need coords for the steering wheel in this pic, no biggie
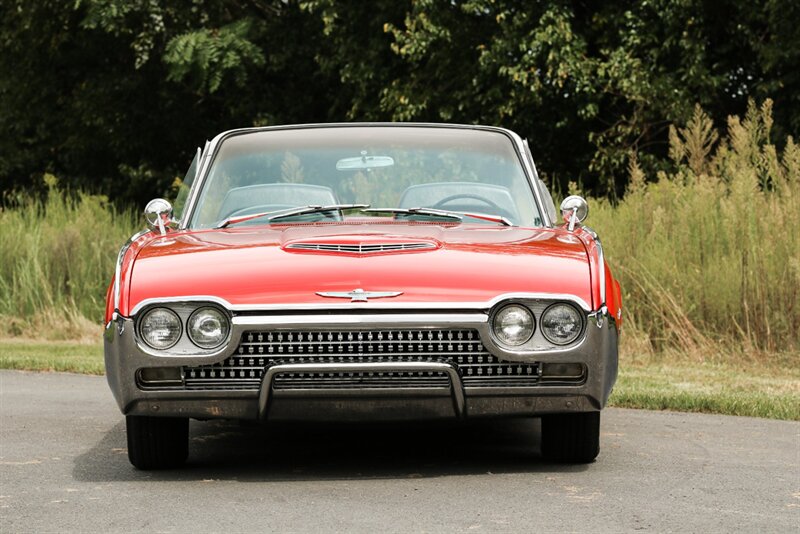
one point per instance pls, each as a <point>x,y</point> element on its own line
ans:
<point>471,196</point>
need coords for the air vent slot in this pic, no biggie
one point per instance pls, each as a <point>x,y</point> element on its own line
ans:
<point>362,248</point>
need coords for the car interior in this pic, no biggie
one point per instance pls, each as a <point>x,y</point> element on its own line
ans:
<point>273,197</point>
<point>461,196</point>
<point>452,196</point>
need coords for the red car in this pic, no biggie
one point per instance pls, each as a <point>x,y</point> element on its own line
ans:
<point>362,271</point>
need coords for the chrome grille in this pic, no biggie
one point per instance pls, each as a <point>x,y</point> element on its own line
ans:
<point>258,350</point>
<point>361,248</point>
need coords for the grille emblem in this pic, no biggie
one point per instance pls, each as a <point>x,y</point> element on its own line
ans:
<point>358,295</point>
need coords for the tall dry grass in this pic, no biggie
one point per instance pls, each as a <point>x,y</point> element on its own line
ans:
<point>56,260</point>
<point>709,255</point>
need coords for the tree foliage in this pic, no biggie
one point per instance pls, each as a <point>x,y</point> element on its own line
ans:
<point>112,95</point>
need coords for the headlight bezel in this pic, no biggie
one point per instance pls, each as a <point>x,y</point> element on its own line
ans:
<point>184,309</point>
<point>223,315</point>
<point>538,343</point>
<point>581,324</point>
<point>141,325</point>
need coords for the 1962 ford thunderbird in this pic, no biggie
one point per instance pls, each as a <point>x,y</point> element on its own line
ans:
<point>362,272</point>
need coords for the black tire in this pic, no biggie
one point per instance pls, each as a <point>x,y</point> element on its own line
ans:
<point>571,437</point>
<point>157,442</point>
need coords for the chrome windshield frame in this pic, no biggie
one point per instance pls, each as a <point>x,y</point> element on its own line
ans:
<point>212,148</point>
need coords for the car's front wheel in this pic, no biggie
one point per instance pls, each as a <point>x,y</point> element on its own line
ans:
<point>157,442</point>
<point>571,437</point>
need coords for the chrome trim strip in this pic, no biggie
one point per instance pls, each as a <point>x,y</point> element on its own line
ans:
<point>212,146</point>
<point>602,264</point>
<point>456,386</point>
<point>390,305</point>
<point>118,270</point>
<point>336,320</point>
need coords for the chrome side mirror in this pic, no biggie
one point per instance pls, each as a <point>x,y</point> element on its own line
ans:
<point>158,214</point>
<point>574,210</point>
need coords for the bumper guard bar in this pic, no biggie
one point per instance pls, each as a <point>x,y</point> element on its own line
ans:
<point>456,386</point>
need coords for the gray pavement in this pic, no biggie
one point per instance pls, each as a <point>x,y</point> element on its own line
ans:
<point>63,467</point>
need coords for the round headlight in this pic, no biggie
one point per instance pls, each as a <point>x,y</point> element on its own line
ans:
<point>160,328</point>
<point>513,325</point>
<point>561,324</point>
<point>208,327</point>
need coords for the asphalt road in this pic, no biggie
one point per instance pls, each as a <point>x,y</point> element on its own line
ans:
<point>63,467</point>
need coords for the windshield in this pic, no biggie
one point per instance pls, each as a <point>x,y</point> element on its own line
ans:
<point>448,169</point>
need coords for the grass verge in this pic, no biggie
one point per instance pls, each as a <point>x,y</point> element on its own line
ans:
<point>764,391</point>
<point>66,356</point>
<point>772,392</point>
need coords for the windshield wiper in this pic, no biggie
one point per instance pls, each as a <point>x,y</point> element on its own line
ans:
<point>432,212</point>
<point>280,214</point>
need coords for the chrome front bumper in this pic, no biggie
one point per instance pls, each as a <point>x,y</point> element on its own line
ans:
<point>597,352</point>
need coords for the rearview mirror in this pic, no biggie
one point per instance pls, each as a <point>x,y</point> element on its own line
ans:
<point>364,162</point>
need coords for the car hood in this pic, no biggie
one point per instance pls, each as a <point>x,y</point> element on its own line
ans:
<point>290,264</point>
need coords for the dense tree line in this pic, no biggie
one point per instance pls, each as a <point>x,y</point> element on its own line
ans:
<point>113,95</point>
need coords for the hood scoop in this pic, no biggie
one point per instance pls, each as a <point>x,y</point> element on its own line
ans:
<point>362,245</point>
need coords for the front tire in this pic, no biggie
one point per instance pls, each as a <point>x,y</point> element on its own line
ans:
<point>157,442</point>
<point>571,437</point>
